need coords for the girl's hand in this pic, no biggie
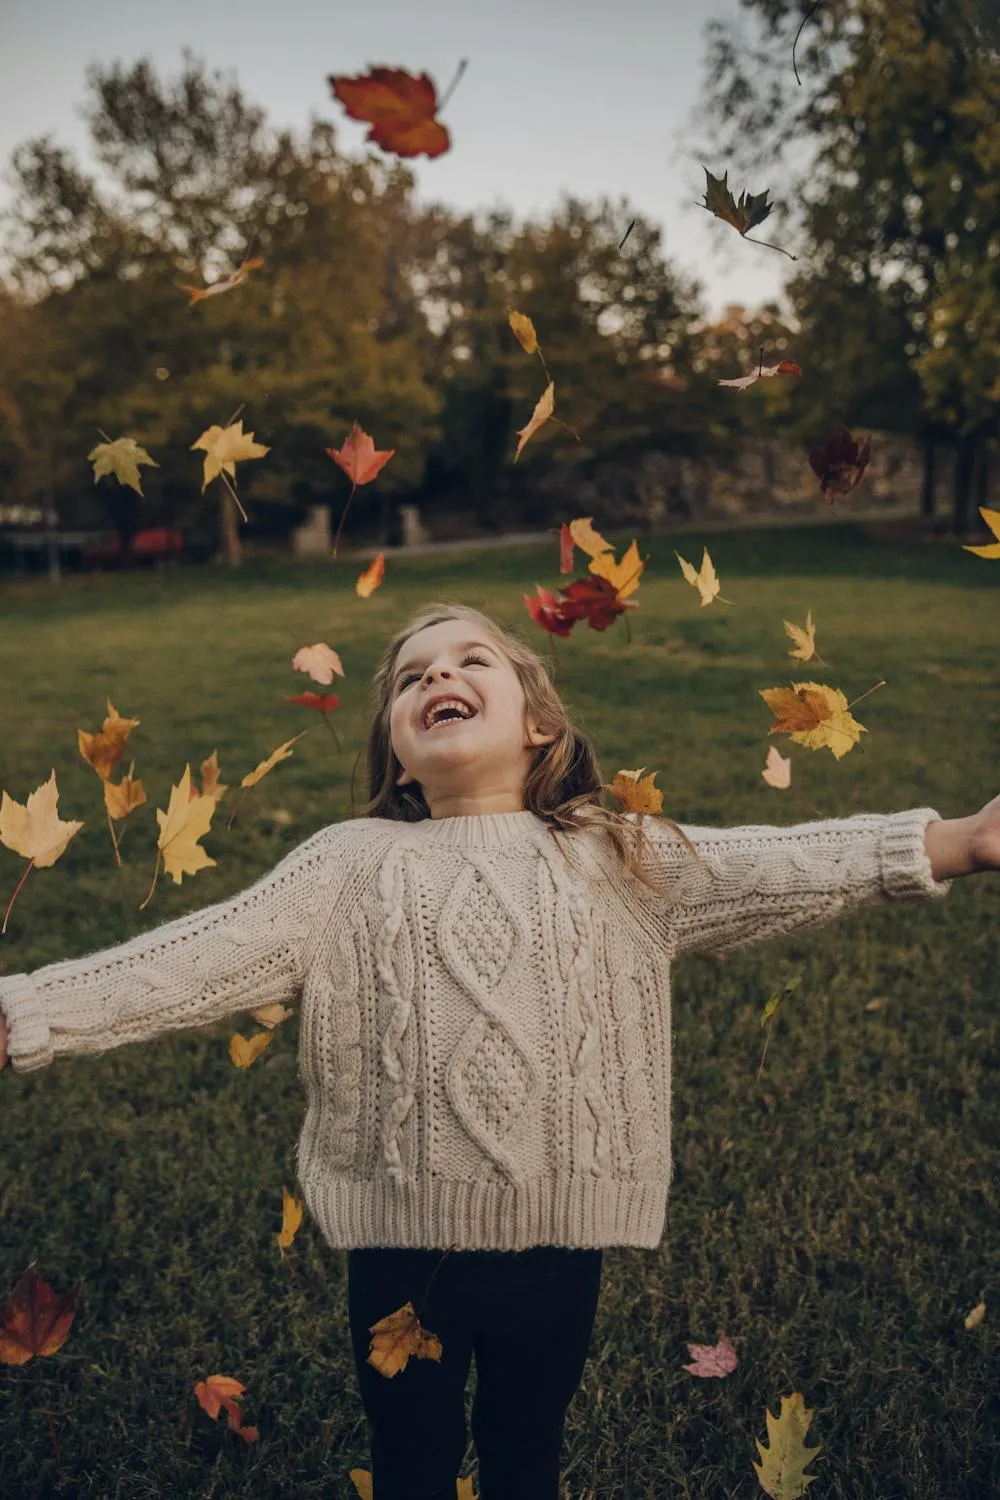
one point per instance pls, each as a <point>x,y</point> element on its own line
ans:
<point>984,837</point>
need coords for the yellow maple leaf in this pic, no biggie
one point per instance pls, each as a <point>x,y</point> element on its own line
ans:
<point>781,1472</point>
<point>586,538</point>
<point>991,549</point>
<point>805,640</point>
<point>637,795</point>
<point>362,1481</point>
<point>399,1337</point>
<point>272,1015</point>
<point>35,830</point>
<point>181,826</point>
<point>705,580</point>
<point>104,750</point>
<point>813,715</point>
<point>244,1050</point>
<point>211,786</point>
<point>624,575</point>
<point>291,1218</point>
<point>122,459</point>
<point>282,753</point>
<point>778,770</point>
<point>124,798</point>
<point>544,408</point>
<point>523,330</point>
<point>225,447</point>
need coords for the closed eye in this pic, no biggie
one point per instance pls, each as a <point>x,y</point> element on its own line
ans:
<point>414,676</point>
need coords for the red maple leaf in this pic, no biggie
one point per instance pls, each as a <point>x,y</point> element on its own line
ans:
<point>547,611</point>
<point>594,600</point>
<point>840,463</point>
<point>565,549</point>
<point>360,461</point>
<point>399,107</point>
<point>36,1320</point>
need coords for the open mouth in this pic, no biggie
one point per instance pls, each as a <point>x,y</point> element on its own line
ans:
<point>447,711</point>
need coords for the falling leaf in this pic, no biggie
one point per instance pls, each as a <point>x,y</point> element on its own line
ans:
<point>181,826</point>
<point>840,463</point>
<point>752,209</point>
<point>778,771</point>
<point>814,716</point>
<point>398,1338</point>
<point>705,580</point>
<point>245,1050</point>
<point>991,549</point>
<point>805,642</point>
<point>36,1320</point>
<point>623,576</point>
<point>225,447</point>
<point>595,600</point>
<point>546,611</point>
<point>122,459</point>
<point>368,581</point>
<point>272,1015</point>
<point>637,795</point>
<point>283,752</point>
<point>565,549</point>
<point>361,462</point>
<point>524,331</point>
<point>324,702</point>
<point>712,1359</point>
<point>544,408</point>
<point>35,830</point>
<point>775,1000</point>
<point>215,1394</point>
<point>319,661</point>
<point>781,1472</point>
<point>199,293</point>
<point>291,1218</point>
<point>211,786</point>
<point>786,367</point>
<point>587,539</point>
<point>975,1317</point>
<point>398,106</point>
<point>103,751</point>
<point>124,798</point>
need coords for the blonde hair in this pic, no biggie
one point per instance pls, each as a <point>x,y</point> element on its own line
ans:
<point>564,783</point>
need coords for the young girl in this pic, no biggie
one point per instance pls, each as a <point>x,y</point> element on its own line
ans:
<point>483,965</point>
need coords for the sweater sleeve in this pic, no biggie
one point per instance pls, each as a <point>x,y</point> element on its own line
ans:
<point>762,882</point>
<point>233,956</point>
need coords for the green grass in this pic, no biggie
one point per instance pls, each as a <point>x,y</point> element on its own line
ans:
<point>837,1218</point>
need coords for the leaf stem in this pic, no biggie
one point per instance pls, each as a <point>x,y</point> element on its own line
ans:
<point>111,830</point>
<point>156,872</point>
<point>865,695</point>
<point>3,929</point>
<point>768,246</point>
<point>454,84</point>
<point>225,478</point>
<point>807,17</point>
<point>343,518</point>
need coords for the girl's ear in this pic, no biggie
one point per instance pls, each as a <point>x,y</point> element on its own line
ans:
<point>533,737</point>
<point>403,778</point>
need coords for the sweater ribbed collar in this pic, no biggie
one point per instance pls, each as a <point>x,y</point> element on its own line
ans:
<point>479,830</point>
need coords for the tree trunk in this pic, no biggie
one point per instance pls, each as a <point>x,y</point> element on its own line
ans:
<point>929,486</point>
<point>231,551</point>
<point>982,490</point>
<point>965,466</point>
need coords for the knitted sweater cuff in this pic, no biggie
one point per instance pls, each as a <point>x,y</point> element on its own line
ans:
<point>29,1041</point>
<point>905,863</point>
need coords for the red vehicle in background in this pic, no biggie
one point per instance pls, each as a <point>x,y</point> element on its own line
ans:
<point>151,548</point>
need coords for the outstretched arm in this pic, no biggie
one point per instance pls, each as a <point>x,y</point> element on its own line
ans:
<point>236,955</point>
<point>755,883</point>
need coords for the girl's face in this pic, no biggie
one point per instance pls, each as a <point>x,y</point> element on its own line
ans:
<point>474,757</point>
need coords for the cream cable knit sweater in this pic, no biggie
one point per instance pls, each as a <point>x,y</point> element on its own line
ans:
<point>485,1037</point>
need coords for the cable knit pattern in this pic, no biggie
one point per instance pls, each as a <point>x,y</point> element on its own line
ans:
<point>485,1031</point>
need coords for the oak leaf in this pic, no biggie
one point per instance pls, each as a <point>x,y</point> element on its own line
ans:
<point>840,463</point>
<point>399,1337</point>
<point>781,1472</point>
<point>320,662</point>
<point>244,1051</point>
<point>813,715</point>
<point>104,750</point>
<point>637,793</point>
<point>225,447</point>
<point>778,770</point>
<point>36,1320</point>
<point>991,549</point>
<point>785,367</point>
<point>216,1394</point>
<point>544,407</point>
<point>709,1360</point>
<point>122,459</point>
<point>181,826</point>
<point>399,107</point>
<point>367,582</point>
<point>291,1218</point>
<point>751,210</point>
<point>361,462</point>
<point>199,293</point>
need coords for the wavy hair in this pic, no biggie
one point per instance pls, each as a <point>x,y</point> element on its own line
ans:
<point>563,786</point>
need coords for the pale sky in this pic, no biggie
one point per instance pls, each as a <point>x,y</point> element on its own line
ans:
<point>589,97</point>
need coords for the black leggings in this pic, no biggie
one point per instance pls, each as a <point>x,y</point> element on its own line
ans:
<point>527,1314</point>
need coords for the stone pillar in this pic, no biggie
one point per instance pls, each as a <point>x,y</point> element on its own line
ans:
<point>314,538</point>
<point>414,531</point>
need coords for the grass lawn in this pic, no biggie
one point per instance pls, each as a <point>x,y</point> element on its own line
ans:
<point>838,1217</point>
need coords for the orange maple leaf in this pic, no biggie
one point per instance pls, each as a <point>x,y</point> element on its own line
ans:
<point>216,1394</point>
<point>397,1338</point>
<point>368,581</point>
<point>399,107</point>
<point>36,1320</point>
<point>360,461</point>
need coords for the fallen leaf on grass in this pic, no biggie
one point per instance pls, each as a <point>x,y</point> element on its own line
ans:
<point>710,1360</point>
<point>216,1394</point>
<point>975,1317</point>
<point>35,1320</point>
<point>781,1473</point>
<point>291,1218</point>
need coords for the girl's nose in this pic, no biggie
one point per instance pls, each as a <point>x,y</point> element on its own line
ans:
<point>440,671</point>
